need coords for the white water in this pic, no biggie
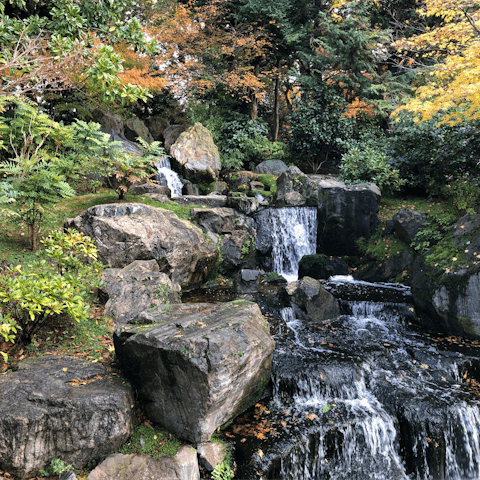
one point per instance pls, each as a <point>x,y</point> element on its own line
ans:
<point>294,234</point>
<point>166,176</point>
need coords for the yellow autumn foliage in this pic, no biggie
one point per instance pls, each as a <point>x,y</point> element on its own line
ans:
<point>453,81</point>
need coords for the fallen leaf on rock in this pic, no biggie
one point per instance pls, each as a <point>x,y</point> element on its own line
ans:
<point>260,454</point>
<point>311,416</point>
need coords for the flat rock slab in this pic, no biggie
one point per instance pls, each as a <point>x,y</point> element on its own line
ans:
<point>183,466</point>
<point>196,366</point>
<point>61,407</point>
<point>213,201</point>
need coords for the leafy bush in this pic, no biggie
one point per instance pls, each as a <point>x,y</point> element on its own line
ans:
<point>32,298</point>
<point>367,164</point>
<point>242,142</point>
<point>463,194</point>
<point>428,155</point>
<point>49,289</point>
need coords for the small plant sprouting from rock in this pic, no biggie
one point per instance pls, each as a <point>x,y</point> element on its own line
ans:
<point>56,467</point>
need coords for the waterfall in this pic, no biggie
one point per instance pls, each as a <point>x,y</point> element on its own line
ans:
<point>167,177</point>
<point>293,232</point>
<point>364,397</point>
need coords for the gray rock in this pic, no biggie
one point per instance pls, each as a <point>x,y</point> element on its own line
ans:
<point>127,232</point>
<point>449,301</point>
<point>233,251</point>
<point>159,197</point>
<point>294,188</point>
<point>134,128</point>
<point>183,466</point>
<point>213,201</point>
<point>271,167</point>
<point>149,188</point>
<point>198,365</point>
<point>68,476</point>
<point>156,126</point>
<point>125,144</point>
<point>321,267</point>
<point>63,408</point>
<point>108,120</point>
<point>312,298</point>
<point>211,454</point>
<point>191,189</point>
<point>244,204</point>
<point>132,290</point>
<point>196,154</point>
<point>407,223</point>
<point>346,214</point>
<point>248,281</point>
<point>170,136</point>
<point>216,220</point>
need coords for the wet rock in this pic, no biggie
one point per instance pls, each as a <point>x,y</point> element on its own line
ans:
<point>196,155</point>
<point>237,251</point>
<point>63,408</point>
<point>127,232</point>
<point>211,454</point>
<point>197,366</point>
<point>170,136</point>
<point>407,223</point>
<point>148,189</point>
<point>348,289</point>
<point>271,167</point>
<point>134,128</point>
<point>312,298</point>
<point>183,466</point>
<point>346,214</point>
<point>321,267</point>
<point>133,289</point>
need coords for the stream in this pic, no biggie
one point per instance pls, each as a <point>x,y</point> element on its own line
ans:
<point>363,396</point>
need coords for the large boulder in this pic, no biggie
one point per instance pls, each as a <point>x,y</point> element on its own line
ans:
<point>183,466</point>
<point>295,189</point>
<point>135,288</point>
<point>407,223</point>
<point>196,155</point>
<point>149,189</point>
<point>447,298</point>
<point>312,298</point>
<point>346,214</point>
<point>197,366</point>
<point>61,407</point>
<point>134,128</point>
<point>216,220</point>
<point>129,231</point>
<point>124,145</point>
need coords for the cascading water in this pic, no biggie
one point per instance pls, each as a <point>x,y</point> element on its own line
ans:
<point>292,233</point>
<point>167,177</point>
<point>365,397</point>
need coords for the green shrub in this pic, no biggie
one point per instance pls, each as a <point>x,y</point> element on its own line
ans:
<point>32,298</point>
<point>367,164</point>
<point>429,155</point>
<point>463,194</point>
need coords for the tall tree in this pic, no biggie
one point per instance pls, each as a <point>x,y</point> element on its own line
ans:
<point>446,52</point>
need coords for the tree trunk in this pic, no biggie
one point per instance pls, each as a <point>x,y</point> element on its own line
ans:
<point>276,107</point>
<point>253,107</point>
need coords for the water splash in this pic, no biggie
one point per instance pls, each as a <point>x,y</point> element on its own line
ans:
<point>167,177</point>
